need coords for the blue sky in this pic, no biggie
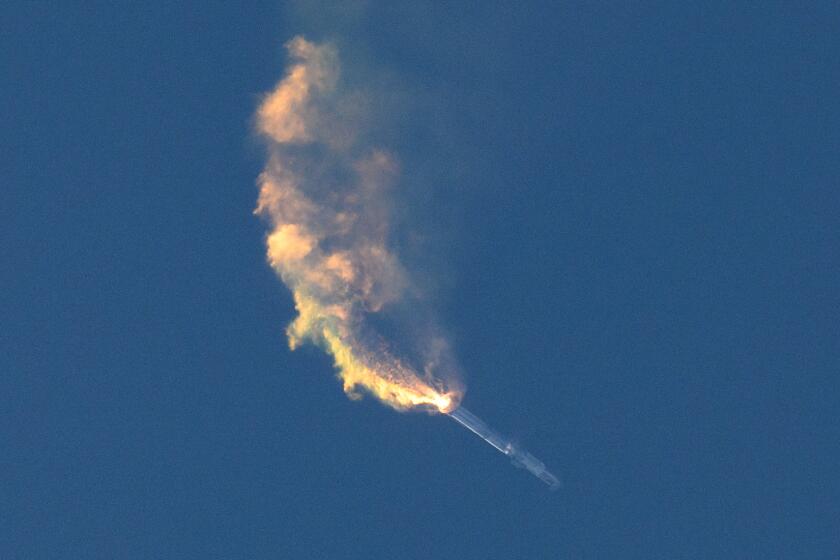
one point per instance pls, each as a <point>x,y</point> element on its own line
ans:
<point>630,220</point>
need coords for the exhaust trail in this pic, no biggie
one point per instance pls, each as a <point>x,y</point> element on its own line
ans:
<point>326,191</point>
<point>518,456</point>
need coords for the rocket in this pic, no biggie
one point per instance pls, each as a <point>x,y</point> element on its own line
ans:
<point>518,456</point>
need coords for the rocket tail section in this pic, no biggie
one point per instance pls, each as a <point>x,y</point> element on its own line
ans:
<point>474,424</point>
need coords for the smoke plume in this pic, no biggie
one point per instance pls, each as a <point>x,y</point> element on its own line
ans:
<point>326,193</point>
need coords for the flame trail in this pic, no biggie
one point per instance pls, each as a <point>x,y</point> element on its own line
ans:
<point>325,194</point>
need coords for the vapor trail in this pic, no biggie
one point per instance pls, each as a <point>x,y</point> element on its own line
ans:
<point>325,192</point>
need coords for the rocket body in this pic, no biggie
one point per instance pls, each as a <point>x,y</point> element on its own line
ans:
<point>519,456</point>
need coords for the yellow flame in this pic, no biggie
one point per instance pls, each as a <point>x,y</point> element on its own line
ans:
<point>399,388</point>
<point>383,376</point>
<point>331,253</point>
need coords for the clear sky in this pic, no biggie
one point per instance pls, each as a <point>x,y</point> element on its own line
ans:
<point>630,222</point>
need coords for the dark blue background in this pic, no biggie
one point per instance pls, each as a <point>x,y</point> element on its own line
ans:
<point>639,208</point>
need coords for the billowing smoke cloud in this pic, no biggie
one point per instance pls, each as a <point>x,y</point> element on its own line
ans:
<point>325,191</point>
